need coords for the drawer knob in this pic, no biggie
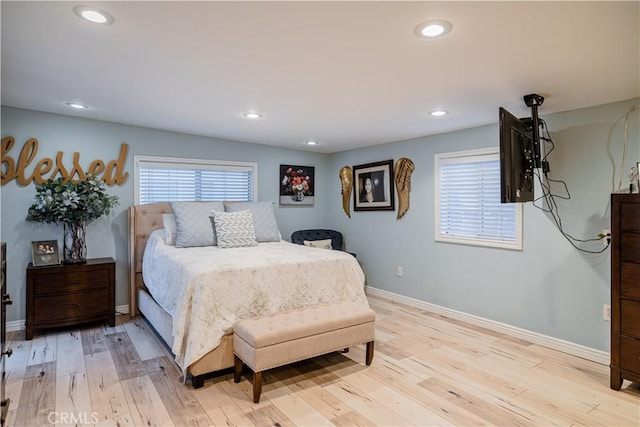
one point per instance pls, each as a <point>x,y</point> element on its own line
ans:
<point>6,299</point>
<point>9,352</point>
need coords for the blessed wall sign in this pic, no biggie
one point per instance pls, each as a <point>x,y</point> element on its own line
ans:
<point>112,172</point>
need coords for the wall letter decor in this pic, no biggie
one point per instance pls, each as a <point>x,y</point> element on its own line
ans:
<point>112,173</point>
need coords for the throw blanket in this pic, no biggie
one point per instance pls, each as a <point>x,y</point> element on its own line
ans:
<point>207,289</point>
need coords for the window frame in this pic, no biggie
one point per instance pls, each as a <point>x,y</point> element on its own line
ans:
<point>477,155</point>
<point>187,163</point>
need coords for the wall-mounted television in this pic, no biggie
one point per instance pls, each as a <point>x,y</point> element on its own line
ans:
<point>517,159</point>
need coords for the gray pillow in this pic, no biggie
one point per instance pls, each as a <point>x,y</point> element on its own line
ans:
<point>234,229</point>
<point>264,219</point>
<point>193,227</point>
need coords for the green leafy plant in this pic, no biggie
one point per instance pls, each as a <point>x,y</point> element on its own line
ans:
<point>71,202</point>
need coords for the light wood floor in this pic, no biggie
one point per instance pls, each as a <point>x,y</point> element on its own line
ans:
<point>427,370</point>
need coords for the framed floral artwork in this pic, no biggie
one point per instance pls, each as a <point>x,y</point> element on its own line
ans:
<point>373,186</point>
<point>297,185</point>
<point>45,252</point>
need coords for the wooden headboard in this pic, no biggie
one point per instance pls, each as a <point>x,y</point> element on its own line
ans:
<point>143,219</point>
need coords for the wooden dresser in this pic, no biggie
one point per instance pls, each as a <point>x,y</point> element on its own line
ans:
<point>70,294</point>
<point>625,289</point>
<point>6,351</point>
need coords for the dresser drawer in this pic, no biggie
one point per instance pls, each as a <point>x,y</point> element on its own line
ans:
<point>629,354</point>
<point>630,247</point>
<point>629,313</point>
<point>629,218</point>
<point>72,306</point>
<point>630,280</point>
<point>63,282</point>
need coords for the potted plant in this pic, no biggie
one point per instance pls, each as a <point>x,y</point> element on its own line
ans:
<point>74,203</point>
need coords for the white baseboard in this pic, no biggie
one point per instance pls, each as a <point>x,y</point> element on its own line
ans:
<point>16,325</point>
<point>122,309</point>
<point>574,349</point>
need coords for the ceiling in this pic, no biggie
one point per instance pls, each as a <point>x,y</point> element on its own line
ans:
<point>346,74</point>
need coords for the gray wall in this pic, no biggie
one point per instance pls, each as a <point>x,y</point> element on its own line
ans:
<point>549,287</point>
<point>107,236</point>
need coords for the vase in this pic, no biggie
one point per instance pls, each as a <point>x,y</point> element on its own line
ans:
<point>74,244</point>
<point>299,196</point>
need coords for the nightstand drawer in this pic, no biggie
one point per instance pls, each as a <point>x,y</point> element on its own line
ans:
<point>629,312</point>
<point>64,282</point>
<point>84,305</point>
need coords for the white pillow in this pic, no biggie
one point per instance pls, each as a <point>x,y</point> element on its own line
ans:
<point>169,225</point>
<point>322,244</point>
<point>264,219</point>
<point>234,229</point>
<point>193,227</point>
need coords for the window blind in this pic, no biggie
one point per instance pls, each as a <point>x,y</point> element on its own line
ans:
<point>158,181</point>
<point>468,201</point>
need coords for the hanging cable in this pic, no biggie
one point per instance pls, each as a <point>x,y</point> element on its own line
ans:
<point>624,143</point>
<point>550,198</point>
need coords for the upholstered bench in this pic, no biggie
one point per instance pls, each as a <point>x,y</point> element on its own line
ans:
<point>285,337</point>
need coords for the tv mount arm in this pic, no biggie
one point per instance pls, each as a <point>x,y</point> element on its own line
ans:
<point>534,101</point>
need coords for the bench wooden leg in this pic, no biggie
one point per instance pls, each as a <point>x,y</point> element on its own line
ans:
<point>237,369</point>
<point>257,386</point>
<point>197,381</point>
<point>369,352</point>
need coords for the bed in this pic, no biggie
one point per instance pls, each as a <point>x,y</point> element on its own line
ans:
<point>200,333</point>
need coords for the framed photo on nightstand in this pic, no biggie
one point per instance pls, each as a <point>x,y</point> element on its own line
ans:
<point>45,252</point>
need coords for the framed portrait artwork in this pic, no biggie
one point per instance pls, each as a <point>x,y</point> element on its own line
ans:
<point>297,185</point>
<point>373,186</point>
<point>45,252</point>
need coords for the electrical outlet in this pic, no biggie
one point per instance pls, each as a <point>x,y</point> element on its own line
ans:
<point>399,271</point>
<point>606,312</point>
<point>605,236</point>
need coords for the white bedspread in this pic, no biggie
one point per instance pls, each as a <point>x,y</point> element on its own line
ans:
<point>207,289</point>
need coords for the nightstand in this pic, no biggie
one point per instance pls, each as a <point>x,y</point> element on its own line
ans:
<point>70,294</point>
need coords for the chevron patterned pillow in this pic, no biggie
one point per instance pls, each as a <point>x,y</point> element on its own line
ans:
<point>234,229</point>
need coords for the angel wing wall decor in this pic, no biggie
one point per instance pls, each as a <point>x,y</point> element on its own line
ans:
<point>346,182</point>
<point>402,177</point>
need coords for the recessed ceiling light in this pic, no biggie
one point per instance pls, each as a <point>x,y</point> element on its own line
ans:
<point>76,105</point>
<point>311,142</point>
<point>94,15</point>
<point>438,113</point>
<point>434,28</point>
<point>252,115</point>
